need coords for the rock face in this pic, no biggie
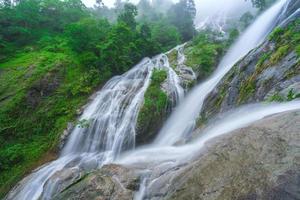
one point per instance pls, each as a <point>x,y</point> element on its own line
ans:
<point>112,182</point>
<point>263,75</point>
<point>261,161</point>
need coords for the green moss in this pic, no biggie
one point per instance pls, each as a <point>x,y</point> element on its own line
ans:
<point>280,53</point>
<point>204,52</point>
<point>289,97</point>
<point>275,35</point>
<point>260,66</point>
<point>247,89</point>
<point>276,97</point>
<point>298,50</point>
<point>292,95</point>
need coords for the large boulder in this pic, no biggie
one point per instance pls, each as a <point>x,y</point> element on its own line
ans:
<point>112,182</point>
<point>261,161</point>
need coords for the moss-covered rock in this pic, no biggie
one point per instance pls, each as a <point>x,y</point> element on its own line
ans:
<point>204,53</point>
<point>154,110</point>
<point>262,75</point>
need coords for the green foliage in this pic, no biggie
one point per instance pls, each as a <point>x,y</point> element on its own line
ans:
<point>31,123</point>
<point>167,37</point>
<point>233,35</point>
<point>275,35</point>
<point>291,95</point>
<point>86,34</point>
<point>182,16</point>
<point>204,51</point>
<point>29,20</point>
<point>128,15</point>
<point>260,66</point>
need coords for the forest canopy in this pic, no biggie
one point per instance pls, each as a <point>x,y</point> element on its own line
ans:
<point>128,31</point>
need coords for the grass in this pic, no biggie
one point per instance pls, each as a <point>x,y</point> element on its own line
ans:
<point>247,89</point>
<point>280,53</point>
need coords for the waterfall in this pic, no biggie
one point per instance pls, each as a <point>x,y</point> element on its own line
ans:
<point>110,120</point>
<point>108,129</point>
<point>183,120</point>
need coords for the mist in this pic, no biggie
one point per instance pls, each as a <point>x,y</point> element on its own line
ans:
<point>207,10</point>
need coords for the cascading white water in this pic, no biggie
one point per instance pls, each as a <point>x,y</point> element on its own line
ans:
<point>233,120</point>
<point>182,121</point>
<point>110,122</point>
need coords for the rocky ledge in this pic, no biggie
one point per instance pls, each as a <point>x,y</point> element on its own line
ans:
<point>261,161</point>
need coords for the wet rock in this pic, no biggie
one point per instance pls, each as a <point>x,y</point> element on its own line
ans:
<point>256,77</point>
<point>261,161</point>
<point>111,182</point>
<point>65,135</point>
<point>60,181</point>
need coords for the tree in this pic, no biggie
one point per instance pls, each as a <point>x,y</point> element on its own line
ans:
<point>246,19</point>
<point>262,4</point>
<point>128,15</point>
<point>166,35</point>
<point>86,34</point>
<point>144,7</point>
<point>119,52</point>
<point>182,16</point>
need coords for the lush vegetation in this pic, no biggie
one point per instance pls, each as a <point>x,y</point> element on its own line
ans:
<point>285,40</point>
<point>205,50</point>
<point>155,104</point>
<point>54,54</point>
